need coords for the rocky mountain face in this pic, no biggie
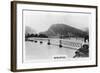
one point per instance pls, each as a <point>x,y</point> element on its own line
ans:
<point>64,30</point>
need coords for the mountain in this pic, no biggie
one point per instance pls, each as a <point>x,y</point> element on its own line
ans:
<point>29,30</point>
<point>64,30</point>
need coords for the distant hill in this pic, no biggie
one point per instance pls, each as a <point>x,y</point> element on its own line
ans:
<point>64,30</point>
<point>29,30</point>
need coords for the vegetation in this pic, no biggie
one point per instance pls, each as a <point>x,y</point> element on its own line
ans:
<point>36,35</point>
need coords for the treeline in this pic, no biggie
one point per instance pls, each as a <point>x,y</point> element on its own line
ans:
<point>36,35</point>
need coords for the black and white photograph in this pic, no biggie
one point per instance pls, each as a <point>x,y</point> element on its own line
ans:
<point>53,36</point>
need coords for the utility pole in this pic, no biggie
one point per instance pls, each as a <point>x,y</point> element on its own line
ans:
<point>60,42</point>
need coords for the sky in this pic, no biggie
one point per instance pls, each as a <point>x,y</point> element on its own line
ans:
<point>40,20</point>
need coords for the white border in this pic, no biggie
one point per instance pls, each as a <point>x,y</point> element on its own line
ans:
<point>75,62</point>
